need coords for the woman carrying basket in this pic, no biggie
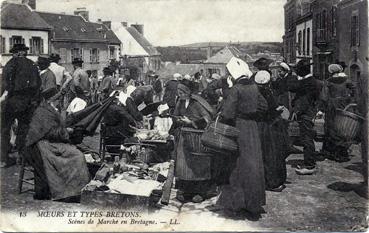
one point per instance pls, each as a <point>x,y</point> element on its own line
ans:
<point>338,93</point>
<point>245,193</point>
<point>194,112</point>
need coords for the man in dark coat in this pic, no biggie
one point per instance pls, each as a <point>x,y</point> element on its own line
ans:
<point>20,96</point>
<point>307,92</point>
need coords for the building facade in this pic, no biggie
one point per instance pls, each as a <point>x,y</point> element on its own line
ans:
<point>137,53</point>
<point>21,24</point>
<point>296,12</point>
<point>352,35</point>
<point>304,38</point>
<point>73,36</point>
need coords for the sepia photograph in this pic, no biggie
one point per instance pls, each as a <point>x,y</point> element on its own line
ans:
<point>184,115</point>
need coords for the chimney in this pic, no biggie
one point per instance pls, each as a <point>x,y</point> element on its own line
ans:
<point>124,24</point>
<point>107,24</point>
<point>139,28</point>
<point>82,12</point>
<point>209,51</point>
<point>30,3</point>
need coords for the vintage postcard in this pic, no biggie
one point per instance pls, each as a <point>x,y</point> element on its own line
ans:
<point>174,115</point>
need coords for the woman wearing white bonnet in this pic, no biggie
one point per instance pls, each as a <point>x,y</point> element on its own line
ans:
<point>126,100</point>
<point>246,189</point>
<point>272,136</point>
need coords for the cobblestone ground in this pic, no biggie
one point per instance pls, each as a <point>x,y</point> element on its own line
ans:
<point>331,200</point>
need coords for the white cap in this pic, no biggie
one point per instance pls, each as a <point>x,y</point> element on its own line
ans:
<point>262,77</point>
<point>177,76</point>
<point>284,66</point>
<point>339,75</point>
<point>162,108</point>
<point>238,68</point>
<point>215,76</point>
<point>188,77</point>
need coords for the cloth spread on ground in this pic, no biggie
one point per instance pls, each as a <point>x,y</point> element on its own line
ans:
<point>137,187</point>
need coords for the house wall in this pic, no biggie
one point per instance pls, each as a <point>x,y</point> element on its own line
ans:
<point>64,49</point>
<point>221,68</point>
<point>289,46</point>
<point>324,37</point>
<point>27,35</point>
<point>305,46</point>
<point>355,57</point>
<point>129,46</point>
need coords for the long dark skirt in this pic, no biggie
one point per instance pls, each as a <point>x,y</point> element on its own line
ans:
<point>246,188</point>
<point>274,150</point>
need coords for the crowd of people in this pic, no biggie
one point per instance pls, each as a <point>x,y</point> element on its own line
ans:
<point>40,97</point>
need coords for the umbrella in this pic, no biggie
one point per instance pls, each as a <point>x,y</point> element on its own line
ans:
<point>89,118</point>
<point>150,108</point>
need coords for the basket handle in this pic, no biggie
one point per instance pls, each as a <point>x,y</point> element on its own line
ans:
<point>349,105</point>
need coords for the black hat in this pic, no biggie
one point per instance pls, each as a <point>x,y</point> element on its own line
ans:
<point>77,60</point>
<point>54,57</point>
<point>262,63</point>
<point>43,61</point>
<point>18,47</point>
<point>107,70</point>
<point>303,67</point>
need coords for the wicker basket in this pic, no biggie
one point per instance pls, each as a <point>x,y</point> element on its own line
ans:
<point>348,124</point>
<point>220,137</point>
<point>224,129</point>
<point>192,140</point>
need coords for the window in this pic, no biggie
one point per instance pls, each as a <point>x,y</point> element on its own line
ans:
<point>94,55</point>
<point>63,55</point>
<point>2,45</point>
<point>299,42</point>
<point>321,25</point>
<point>111,52</point>
<point>308,42</point>
<point>76,53</point>
<point>304,42</point>
<point>15,40</point>
<point>355,32</point>
<point>334,21</point>
<point>36,45</point>
<point>213,71</point>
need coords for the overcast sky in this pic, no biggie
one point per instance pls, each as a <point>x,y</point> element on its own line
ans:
<point>177,22</point>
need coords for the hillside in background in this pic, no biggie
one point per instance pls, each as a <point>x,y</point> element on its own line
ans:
<point>196,52</point>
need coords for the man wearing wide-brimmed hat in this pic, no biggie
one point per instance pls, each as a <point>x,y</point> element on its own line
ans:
<point>48,79</point>
<point>305,86</point>
<point>80,78</point>
<point>63,79</point>
<point>20,91</point>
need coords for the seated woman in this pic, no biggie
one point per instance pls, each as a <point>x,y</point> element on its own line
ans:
<point>117,121</point>
<point>60,169</point>
<point>194,112</point>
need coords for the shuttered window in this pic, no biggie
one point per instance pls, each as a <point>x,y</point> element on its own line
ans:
<point>2,45</point>
<point>63,55</point>
<point>15,40</point>
<point>36,45</point>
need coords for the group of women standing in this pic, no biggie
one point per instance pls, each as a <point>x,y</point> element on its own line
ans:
<point>249,106</point>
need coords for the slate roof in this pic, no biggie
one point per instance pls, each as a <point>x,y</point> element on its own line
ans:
<point>110,35</point>
<point>224,55</point>
<point>21,16</point>
<point>75,28</point>
<point>151,50</point>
